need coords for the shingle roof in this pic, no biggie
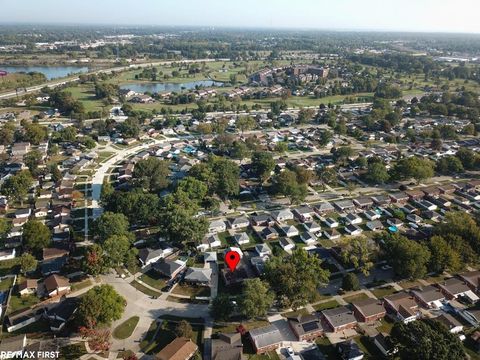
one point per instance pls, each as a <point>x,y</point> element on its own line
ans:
<point>265,336</point>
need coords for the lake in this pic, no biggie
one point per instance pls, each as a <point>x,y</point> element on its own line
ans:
<point>167,87</point>
<point>50,72</point>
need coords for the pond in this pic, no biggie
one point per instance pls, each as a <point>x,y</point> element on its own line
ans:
<point>50,72</point>
<point>166,87</point>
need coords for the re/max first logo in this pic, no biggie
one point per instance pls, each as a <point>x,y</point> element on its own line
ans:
<point>29,354</point>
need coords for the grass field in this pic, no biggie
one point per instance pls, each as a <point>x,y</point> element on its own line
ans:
<point>188,290</point>
<point>125,329</point>
<point>356,297</point>
<point>153,279</point>
<point>383,291</point>
<point>144,289</point>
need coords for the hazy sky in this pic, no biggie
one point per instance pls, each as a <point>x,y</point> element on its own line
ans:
<point>401,15</point>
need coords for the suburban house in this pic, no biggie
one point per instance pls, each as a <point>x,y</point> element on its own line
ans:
<point>363,202</point>
<point>198,276</point>
<point>453,288</point>
<point>179,349</point>
<point>349,350</point>
<point>339,319</point>
<point>239,223</point>
<point>217,226</point>
<point>265,339</point>
<point>241,239</point>
<point>374,225</point>
<point>312,226</point>
<point>7,254</point>
<point>61,313</point>
<point>308,238</point>
<point>262,220</point>
<point>263,250</point>
<point>380,341</point>
<point>403,306</point>
<point>323,208</point>
<point>227,346</point>
<point>331,223</point>
<point>282,215</point>
<point>304,213</point>
<point>353,230</point>
<point>344,205</point>
<point>332,234</point>
<point>352,219</point>
<point>169,268</point>
<point>472,279</point>
<point>210,242</point>
<point>56,285</point>
<point>287,244</point>
<point>429,296</point>
<point>368,310</point>
<point>371,215</point>
<point>452,324</point>
<point>149,256</point>
<point>306,327</point>
<point>399,197</point>
<point>28,287</point>
<point>290,230</point>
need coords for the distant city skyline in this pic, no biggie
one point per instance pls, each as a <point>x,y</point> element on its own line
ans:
<point>460,16</point>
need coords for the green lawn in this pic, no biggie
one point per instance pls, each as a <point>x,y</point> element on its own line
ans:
<point>153,279</point>
<point>352,298</point>
<point>81,285</point>
<point>9,267</point>
<point>190,290</point>
<point>231,326</point>
<point>296,313</point>
<point>381,292</point>
<point>18,302</point>
<point>6,284</point>
<point>144,289</point>
<point>86,94</point>
<point>125,329</point>
<point>326,305</point>
<point>386,326</point>
<point>149,336</point>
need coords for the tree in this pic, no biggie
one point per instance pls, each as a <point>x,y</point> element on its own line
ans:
<point>462,228</point>
<point>414,167</point>
<point>32,160</point>
<point>281,146</point>
<point>109,224</point>
<point>221,307</point>
<point>449,165</point>
<point>426,339</point>
<point>256,299</point>
<point>227,175</point>
<point>27,263</point>
<point>130,128</point>
<point>358,253</point>
<point>184,329</point>
<point>56,173</point>
<point>287,184</point>
<point>7,133</point>
<point>94,261</point>
<point>350,282</point>
<point>468,158</point>
<point>5,227</point>
<point>35,133</point>
<point>377,173</point>
<point>263,165</point>
<point>106,191</point>
<point>152,174</point>
<point>36,235</point>
<point>193,188</point>
<point>327,176</point>
<point>17,186</point>
<point>116,248</point>
<point>98,339</point>
<point>325,138</point>
<point>295,279</point>
<point>244,123</point>
<point>100,306</point>
<point>443,256</point>
<point>408,258</point>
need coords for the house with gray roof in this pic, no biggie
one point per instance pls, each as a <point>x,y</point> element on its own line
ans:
<point>265,339</point>
<point>339,319</point>
<point>282,215</point>
<point>240,222</point>
<point>198,276</point>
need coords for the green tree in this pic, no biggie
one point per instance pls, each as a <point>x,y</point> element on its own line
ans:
<point>100,306</point>
<point>7,133</point>
<point>56,173</point>
<point>256,299</point>
<point>244,123</point>
<point>408,258</point>
<point>359,252</point>
<point>295,279</point>
<point>449,165</point>
<point>414,167</point>
<point>221,308</point>
<point>227,176</point>
<point>443,256</point>
<point>287,184</point>
<point>32,160</point>
<point>350,282</point>
<point>193,189</point>
<point>16,187</point>
<point>5,227</point>
<point>327,176</point>
<point>377,173</point>
<point>281,147</point>
<point>36,235</point>
<point>109,224</point>
<point>263,165</point>
<point>35,133</point>
<point>116,248</point>
<point>427,340</point>
<point>106,191</point>
<point>152,174</point>
<point>27,263</point>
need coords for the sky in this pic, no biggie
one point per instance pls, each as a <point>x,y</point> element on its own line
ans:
<point>378,15</point>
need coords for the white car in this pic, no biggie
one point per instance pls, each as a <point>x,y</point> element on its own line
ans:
<point>290,351</point>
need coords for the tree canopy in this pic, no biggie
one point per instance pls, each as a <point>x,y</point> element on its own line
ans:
<point>100,306</point>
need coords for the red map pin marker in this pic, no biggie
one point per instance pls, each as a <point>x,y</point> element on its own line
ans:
<point>232,258</point>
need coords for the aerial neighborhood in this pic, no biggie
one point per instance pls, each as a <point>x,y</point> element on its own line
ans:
<point>345,178</point>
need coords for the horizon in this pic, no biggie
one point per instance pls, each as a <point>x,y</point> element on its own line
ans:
<point>423,16</point>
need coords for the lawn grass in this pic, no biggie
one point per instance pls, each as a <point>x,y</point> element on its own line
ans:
<point>326,305</point>
<point>6,284</point>
<point>9,267</point>
<point>86,94</point>
<point>18,302</point>
<point>271,355</point>
<point>153,279</point>
<point>149,336</point>
<point>386,325</point>
<point>410,284</point>
<point>81,285</point>
<point>144,289</point>
<point>383,291</point>
<point>231,326</point>
<point>356,297</point>
<point>125,329</point>
<point>190,290</point>
<point>296,313</point>
<point>186,300</point>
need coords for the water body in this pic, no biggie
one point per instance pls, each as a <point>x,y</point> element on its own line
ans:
<point>50,72</point>
<point>167,87</point>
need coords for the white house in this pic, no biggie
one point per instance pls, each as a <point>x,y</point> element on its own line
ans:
<point>312,226</point>
<point>371,215</point>
<point>353,230</point>
<point>331,223</point>
<point>217,226</point>
<point>282,215</point>
<point>374,225</point>
<point>331,234</point>
<point>263,250</point>
<point>352,219</point>
<point>287,244</point>
<point>7,254</point>
<point>242,238</point>
<point>308,238</point>
<point>239,223</point>
<point>290,231</point>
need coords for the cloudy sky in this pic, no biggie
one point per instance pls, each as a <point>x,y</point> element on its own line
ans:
<point>396,15</point>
